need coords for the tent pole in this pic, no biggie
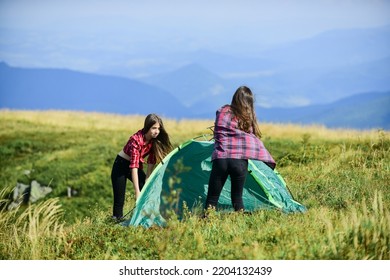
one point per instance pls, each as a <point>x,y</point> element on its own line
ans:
<point>129,212</point>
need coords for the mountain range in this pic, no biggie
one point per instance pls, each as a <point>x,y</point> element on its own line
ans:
<point>59,89</point>
<point>339,78</point>
<point>361,111</point>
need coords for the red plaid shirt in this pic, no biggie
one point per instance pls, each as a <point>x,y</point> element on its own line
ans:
<point>137,150</point>
<point>231,142</point>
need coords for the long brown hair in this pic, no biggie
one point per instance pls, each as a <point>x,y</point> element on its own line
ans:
<point>161,145</point>
<point>242,106</point>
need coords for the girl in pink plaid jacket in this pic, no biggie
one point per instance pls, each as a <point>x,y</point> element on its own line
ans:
<point>237,139</point>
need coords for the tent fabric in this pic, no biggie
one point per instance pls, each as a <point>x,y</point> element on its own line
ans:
<point>182,179</point>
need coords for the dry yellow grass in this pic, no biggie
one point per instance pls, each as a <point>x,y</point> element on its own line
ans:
<point>294,131</point>
<point>183,129</point>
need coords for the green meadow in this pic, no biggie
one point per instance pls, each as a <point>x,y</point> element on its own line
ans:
<point>341,176</point>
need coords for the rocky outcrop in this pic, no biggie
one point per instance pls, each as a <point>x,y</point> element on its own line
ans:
<point>28,193</point>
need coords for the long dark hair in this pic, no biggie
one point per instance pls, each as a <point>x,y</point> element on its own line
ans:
<point>242,106</point>
<point>161,145</point>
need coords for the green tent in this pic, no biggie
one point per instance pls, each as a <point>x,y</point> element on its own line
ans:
<point>181,180</point>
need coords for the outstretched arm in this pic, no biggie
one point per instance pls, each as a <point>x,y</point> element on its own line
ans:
<point>134,178</point>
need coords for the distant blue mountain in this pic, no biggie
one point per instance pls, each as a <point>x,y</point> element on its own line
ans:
<point>333,48</point>
<point>360,111</point>
<point>198,89</point>
<point>42,89</point>
<point>319,69</point>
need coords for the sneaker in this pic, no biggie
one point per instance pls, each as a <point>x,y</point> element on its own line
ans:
<point>117,219</point>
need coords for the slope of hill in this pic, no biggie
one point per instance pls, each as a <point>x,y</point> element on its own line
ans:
<point>341,176</point>
<point>191,84</point>
<point>361,111</point>
<point>42,89</point>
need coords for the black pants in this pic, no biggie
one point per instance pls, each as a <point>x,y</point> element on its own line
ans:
<point>222,168</point>
<point>119,175</point>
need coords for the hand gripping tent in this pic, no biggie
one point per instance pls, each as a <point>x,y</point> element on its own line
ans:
<point>181,181</point>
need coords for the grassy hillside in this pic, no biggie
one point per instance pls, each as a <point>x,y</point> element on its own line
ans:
<point>341,176</point>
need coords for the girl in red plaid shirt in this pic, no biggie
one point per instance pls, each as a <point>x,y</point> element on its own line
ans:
<point>152,141</point>
<point>237,139</point>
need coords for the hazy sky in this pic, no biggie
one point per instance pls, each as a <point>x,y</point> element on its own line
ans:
<point>55,27</point>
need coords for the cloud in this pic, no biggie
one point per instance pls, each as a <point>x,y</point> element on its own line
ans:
<point>217,89</point>
<point>252,74</point>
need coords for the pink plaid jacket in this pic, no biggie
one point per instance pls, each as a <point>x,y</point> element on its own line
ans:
<point>231,142</point>
<point>137,150</point>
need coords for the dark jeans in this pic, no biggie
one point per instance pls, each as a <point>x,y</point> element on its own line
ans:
<point>222,168</point>
<point>119,175</point>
